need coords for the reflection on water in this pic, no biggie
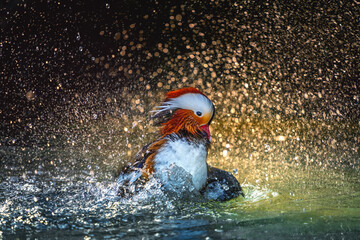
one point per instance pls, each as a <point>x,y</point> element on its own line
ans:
<point>292,187</point>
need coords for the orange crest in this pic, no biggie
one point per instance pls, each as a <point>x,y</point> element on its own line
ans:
<point>177,93</point>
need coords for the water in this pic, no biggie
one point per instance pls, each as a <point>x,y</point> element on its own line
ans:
<point>78,81</point>
<point>65,190</point>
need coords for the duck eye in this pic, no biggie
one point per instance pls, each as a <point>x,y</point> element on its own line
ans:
<point>199,113</point>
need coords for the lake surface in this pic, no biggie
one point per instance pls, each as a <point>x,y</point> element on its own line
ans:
<point>300,178</point>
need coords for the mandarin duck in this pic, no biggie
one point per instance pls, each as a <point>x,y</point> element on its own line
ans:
<point>184,139</point>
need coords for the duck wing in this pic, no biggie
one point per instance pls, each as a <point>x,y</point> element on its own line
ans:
<point>133,176</point>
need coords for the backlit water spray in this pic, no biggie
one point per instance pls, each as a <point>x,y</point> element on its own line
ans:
<point>78,81</point>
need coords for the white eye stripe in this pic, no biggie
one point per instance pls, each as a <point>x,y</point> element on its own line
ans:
<point>191,101</point>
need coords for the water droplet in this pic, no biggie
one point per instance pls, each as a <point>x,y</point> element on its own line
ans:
<point>235,171</point>
<point>80,48</point>
<point>30,95</point>
<point>107,5</point>
<point>78,37</point>
<point>267,148</point>
<point>224,153</point>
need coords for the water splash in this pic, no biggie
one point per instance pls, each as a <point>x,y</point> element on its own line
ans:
<point>284,79</point>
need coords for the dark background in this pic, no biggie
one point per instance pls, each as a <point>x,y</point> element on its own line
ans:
<point>61,60</point>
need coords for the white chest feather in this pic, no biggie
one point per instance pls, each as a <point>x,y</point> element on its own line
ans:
<point>189,156</point>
